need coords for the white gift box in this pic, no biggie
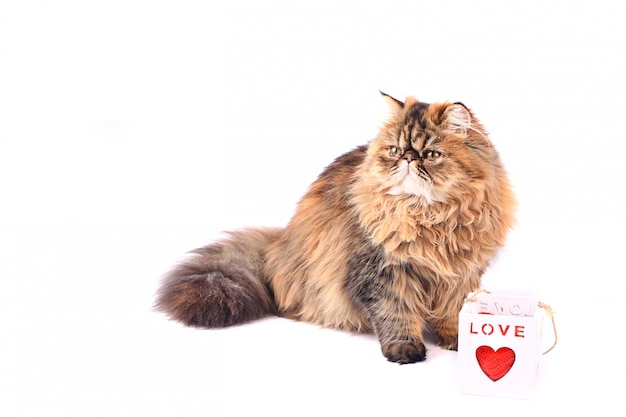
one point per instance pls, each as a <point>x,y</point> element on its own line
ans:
<point>500,345</point>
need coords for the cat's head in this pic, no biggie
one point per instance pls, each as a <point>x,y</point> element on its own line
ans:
<point>433,151</point>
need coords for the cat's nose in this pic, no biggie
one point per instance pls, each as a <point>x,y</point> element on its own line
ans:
<point>410,156</point>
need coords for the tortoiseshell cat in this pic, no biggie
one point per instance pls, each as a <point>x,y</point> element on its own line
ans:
<point>389,239</point>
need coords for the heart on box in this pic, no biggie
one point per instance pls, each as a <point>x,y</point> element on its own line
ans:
<point>495,363</point>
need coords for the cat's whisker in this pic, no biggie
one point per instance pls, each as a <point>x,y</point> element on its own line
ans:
<point>425,175</point>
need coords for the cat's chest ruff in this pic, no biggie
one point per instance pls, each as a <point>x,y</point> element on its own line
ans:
<point>432,236</point>
<point>402,226</point>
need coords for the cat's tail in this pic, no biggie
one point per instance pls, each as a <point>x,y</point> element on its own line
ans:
<point>221,284</point>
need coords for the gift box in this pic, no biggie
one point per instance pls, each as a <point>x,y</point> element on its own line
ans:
<point>500,345</point>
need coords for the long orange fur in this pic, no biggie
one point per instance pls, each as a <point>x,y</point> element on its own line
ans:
<point>389,239</point>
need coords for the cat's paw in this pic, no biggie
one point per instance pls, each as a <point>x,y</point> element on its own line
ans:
<point>449,346</point>
<point>404,352</point>
<point>448,343</point>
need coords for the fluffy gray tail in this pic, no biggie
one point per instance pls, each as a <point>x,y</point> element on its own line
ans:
<point>221,284</point>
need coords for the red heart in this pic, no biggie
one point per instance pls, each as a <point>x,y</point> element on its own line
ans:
<point>495,364</point>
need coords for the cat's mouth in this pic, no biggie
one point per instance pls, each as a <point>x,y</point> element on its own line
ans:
<point>413,171</point>
<point>410,178</point>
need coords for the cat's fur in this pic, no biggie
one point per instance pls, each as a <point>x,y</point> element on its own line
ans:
<point>389,239</point>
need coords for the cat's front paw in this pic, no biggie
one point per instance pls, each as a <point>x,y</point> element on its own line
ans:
<point>449,346</point>
<point>404,352</point>
<point>449,342</point>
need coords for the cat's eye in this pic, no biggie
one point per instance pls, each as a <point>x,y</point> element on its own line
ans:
<point>432,155</point>
<point>395,152</point>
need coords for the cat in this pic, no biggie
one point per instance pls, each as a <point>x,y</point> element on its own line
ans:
<point>389,239</point>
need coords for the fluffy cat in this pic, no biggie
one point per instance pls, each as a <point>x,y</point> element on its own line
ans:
<point>389,239</point>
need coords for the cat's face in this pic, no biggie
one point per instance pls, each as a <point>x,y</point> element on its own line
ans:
<point>434,151</point>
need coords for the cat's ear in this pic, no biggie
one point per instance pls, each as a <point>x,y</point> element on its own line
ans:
<point>457,118</point>
<point>395,106</point>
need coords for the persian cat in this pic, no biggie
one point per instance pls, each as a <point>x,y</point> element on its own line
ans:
<point>389,239</point>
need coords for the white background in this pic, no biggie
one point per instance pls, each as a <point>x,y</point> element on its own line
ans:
<point>132,132</point>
